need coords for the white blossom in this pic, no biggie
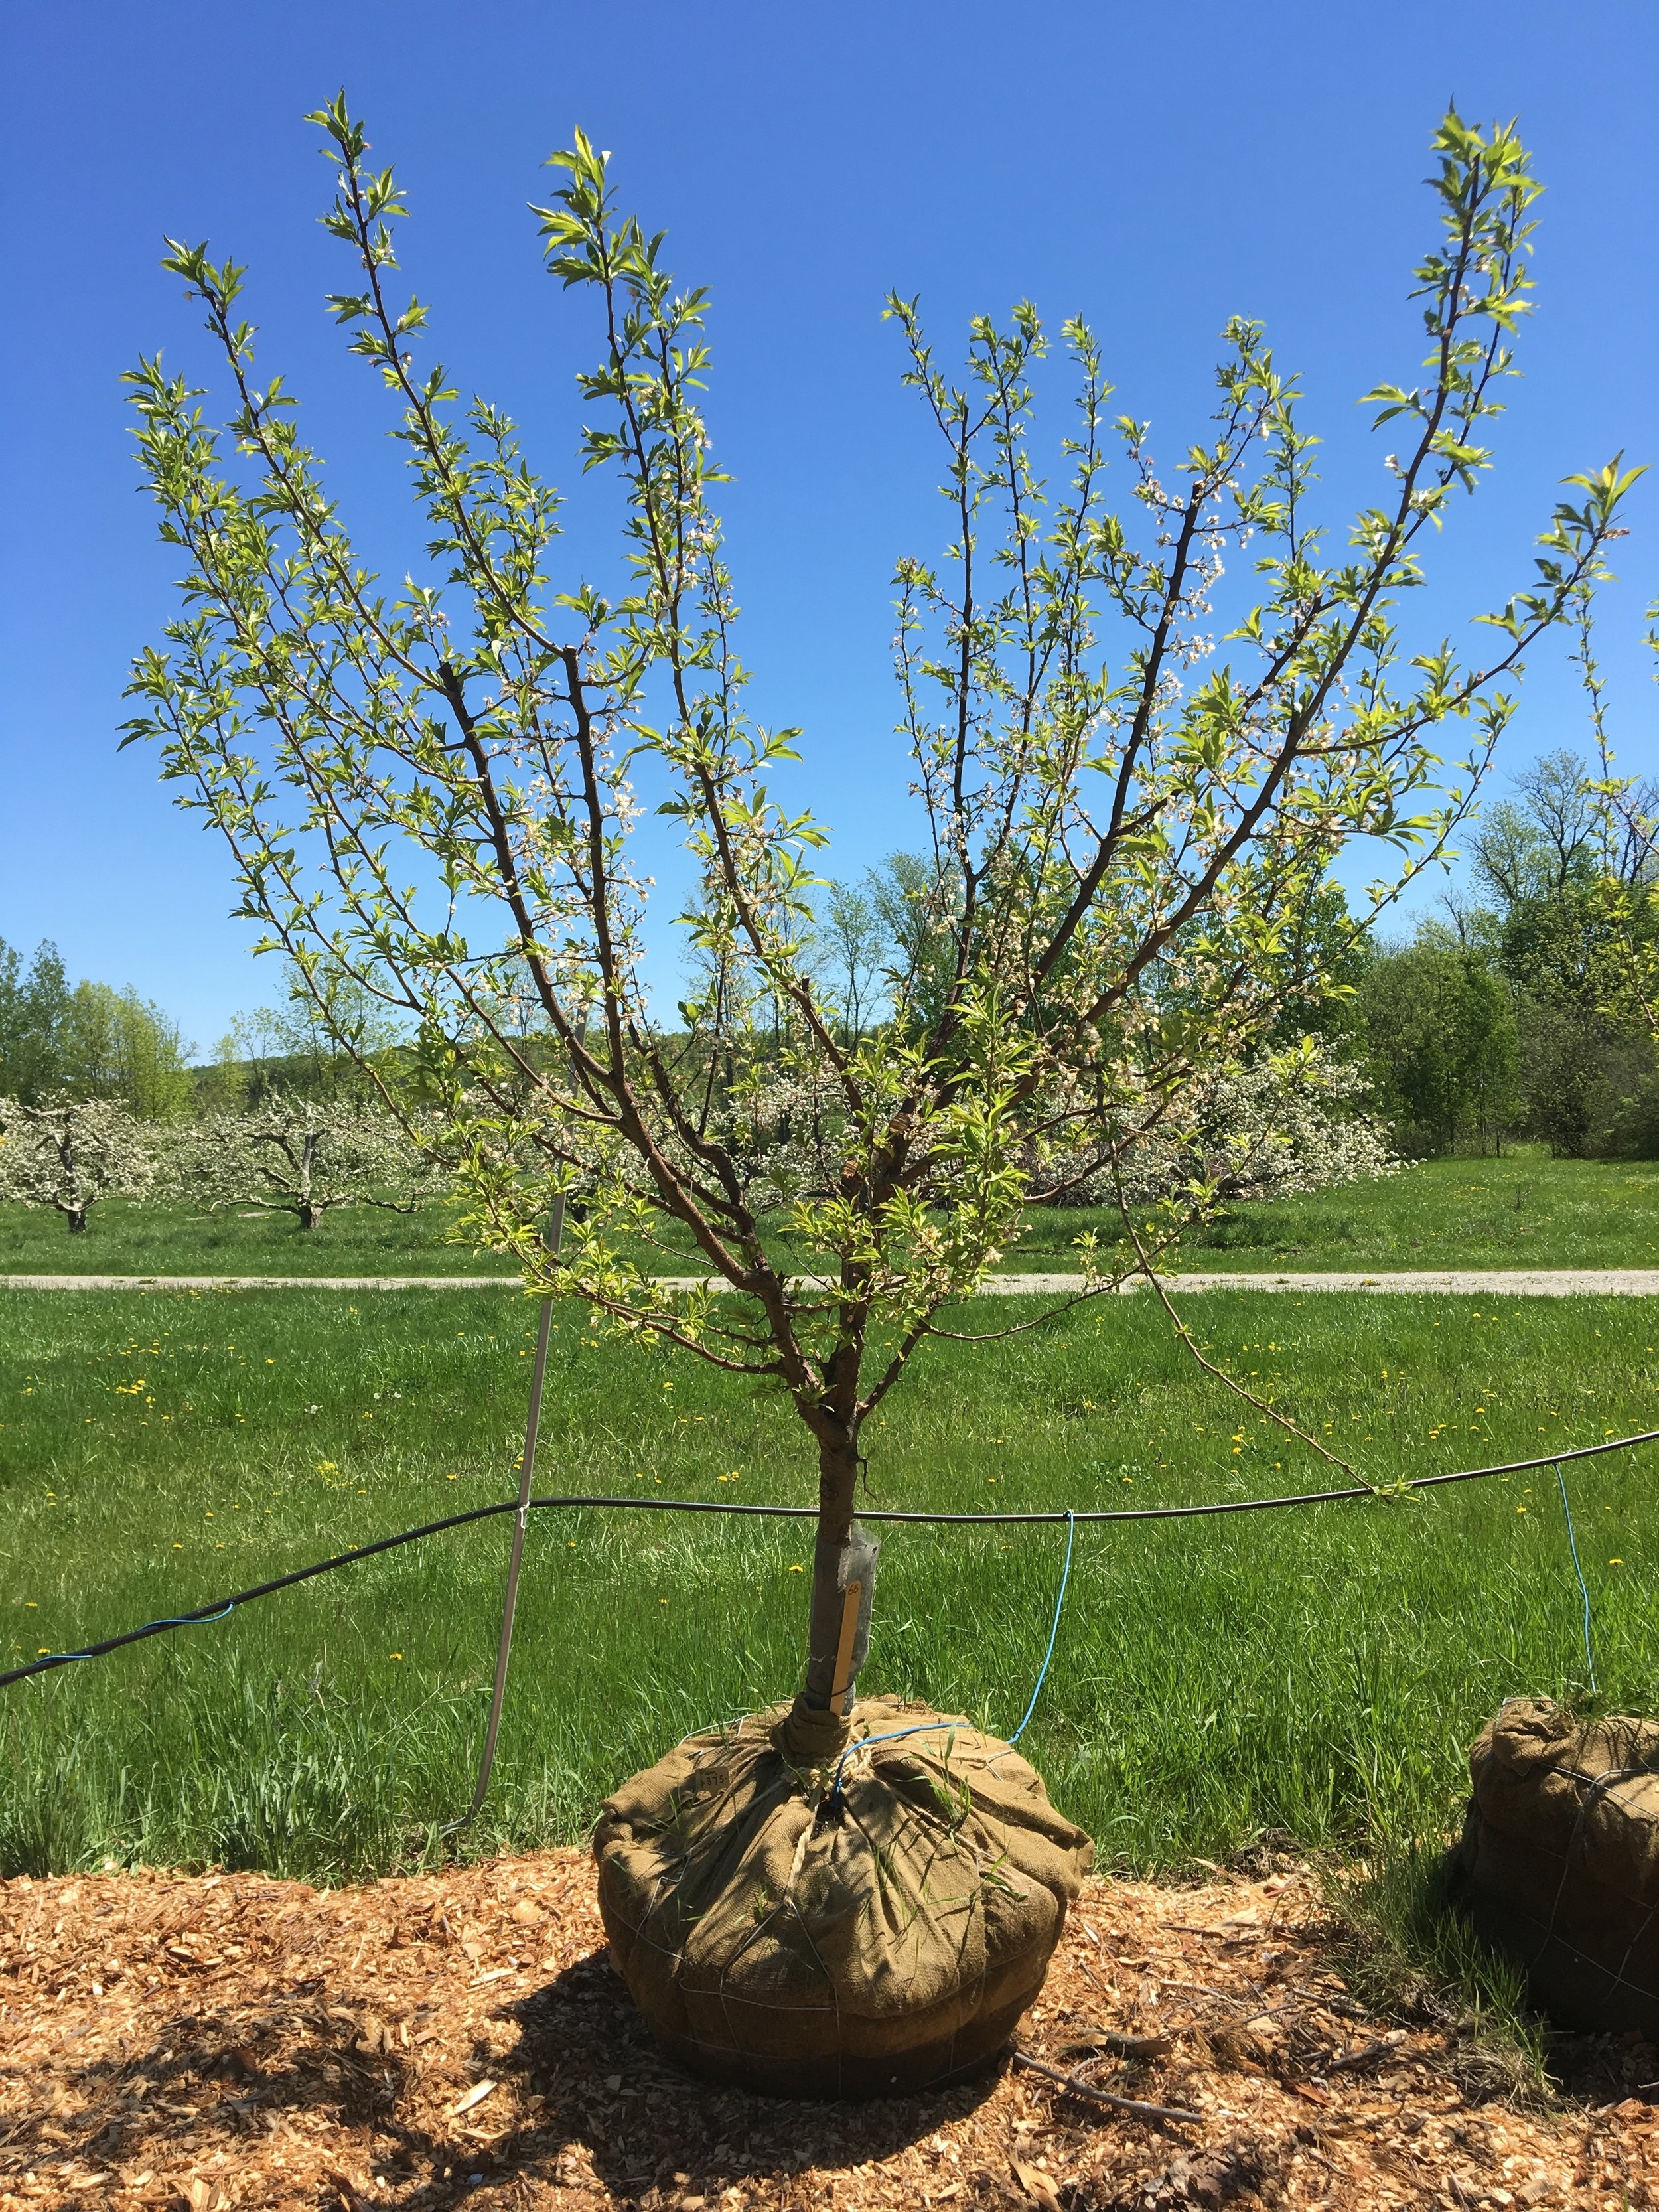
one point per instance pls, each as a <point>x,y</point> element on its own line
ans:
<point>306,1158</point>
<point>70,1153</point>
<point>1289,1124</point>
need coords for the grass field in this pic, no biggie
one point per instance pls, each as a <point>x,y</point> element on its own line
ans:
<point>1318,1672</point>
<point>1525,1211</point>
<point>126,1239</point>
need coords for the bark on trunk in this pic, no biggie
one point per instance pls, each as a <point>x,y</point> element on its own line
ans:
<point>843,1583</point>
<point>77,1220</point>
<point>309,1216</point>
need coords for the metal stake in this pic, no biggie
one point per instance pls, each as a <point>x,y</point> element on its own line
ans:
<point>521,1522</point>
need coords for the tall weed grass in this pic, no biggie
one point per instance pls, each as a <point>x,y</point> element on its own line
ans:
<point>1317,1672</point>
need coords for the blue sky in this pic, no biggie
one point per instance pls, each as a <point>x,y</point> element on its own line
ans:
<point>1154,170</point>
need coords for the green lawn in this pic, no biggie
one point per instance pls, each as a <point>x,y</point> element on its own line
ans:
<point>1525,1211</point>
<point>123,1238</point>
<point>1317,1672</point>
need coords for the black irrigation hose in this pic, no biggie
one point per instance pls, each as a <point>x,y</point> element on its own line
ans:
<point>221,1607</point>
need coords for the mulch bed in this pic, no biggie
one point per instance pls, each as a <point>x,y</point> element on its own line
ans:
<point>183,2041</point>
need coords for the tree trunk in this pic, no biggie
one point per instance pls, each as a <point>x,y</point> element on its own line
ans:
<point>843,1583</point>
<point>310,1215</point>
<point>77,1220</point>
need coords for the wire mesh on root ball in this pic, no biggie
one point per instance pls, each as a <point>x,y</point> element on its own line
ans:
<point>1559,1862</point>
<point>815,1906</point>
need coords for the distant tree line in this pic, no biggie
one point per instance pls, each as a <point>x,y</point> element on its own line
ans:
<point>316,1044</point>
<point>87,1041</point>
<point>1517,1015</point>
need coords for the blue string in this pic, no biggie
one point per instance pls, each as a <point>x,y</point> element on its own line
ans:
<point>187,1620</point>
<point>1583,1586</point>
<point>1064,1577</point>
<point>923,1727</point>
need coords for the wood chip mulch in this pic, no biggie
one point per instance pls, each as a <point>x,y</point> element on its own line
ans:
<point>231,2040</point>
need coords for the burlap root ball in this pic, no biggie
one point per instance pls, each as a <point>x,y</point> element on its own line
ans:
<point>779,1941</point>
<point>1559,1863</point>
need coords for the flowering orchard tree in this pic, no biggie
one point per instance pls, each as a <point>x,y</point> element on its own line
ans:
<point>306,1158</point>
<point>436,786</point>
<point>1293,1122</point>
<point>70,1153</point>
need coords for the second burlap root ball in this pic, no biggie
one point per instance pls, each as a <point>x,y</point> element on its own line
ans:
<point>882,1939</point>
<point>1559,1863</point>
